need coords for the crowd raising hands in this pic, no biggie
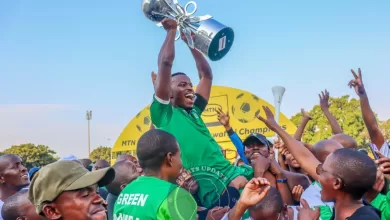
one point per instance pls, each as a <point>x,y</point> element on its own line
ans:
<point>180,173</point>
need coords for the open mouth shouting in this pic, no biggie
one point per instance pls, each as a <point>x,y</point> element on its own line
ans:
<point>190,96</point>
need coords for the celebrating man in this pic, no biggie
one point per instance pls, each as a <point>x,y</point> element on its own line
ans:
<point>176,108</point>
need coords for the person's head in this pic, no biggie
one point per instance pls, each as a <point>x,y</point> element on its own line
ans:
<point>291,162</point>
<point>345,140</point>
<point>255,145</point>
<point>346,172</point>
<point>100,164</point>
<point>132,159</point>
<point>182,92</point>
<point>270,208</point>
<point>325,147</point>
<point>66,190</point>
<point>18,207</point>
<point>125,173</point>
<point>85,162</point>
<point>188,182</point>
<point>13,175</point>
<point>32,172</point>
<point>158,153</point>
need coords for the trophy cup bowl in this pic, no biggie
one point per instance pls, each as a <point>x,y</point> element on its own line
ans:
<point>156,10</point>
<point>212,38</point>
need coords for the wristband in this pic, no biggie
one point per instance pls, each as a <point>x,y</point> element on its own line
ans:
<point>284,180</point>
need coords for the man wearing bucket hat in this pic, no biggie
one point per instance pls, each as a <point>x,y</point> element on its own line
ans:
<point>66,190</point>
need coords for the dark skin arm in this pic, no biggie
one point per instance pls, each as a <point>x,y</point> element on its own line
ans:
<point>369,118</point>
<point>205,73</point>
<point>282,187</point>
<point>324,104</point>
<point>303,156</point>
<point>162,84</point>
<point>306,118</point>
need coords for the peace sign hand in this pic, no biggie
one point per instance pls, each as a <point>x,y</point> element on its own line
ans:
<point>357,83</point>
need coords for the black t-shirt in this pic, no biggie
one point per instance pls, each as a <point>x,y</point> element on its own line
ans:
<point>364,213</point>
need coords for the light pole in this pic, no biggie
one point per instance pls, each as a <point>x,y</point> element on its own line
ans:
<point>89,118</point>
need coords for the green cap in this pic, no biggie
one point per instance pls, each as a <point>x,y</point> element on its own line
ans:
<point>51,180</point>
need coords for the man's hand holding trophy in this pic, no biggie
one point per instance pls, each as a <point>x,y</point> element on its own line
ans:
<point>203,33</point>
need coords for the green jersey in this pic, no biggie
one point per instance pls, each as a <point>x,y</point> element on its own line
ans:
<point>201,154</point>
<point>152,198</point>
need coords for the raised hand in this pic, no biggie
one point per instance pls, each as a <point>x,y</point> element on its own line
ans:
<point>223,118</point>
<point>377,188</point>
<point>269,120</point>
<point>384,164</point>
<point>306,213</point>
<point>324,100</point>
<point>254,191</point>
<point>275,168</point>
<point>306,114</point>
<point>357,83</point>
<point>169,24</point>
<point>297,192</point>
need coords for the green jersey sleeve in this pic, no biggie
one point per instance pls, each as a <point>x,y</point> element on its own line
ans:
<point>382,203</point>
<point>179,205</point>
<point>160,112</point>
<point>325,212</point>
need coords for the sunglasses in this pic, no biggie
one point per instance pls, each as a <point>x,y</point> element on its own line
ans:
<point>320,170</point>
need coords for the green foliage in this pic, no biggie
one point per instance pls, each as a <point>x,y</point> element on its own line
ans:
<point>385,128</point>
<point>33,155</point>
<point>101,153</point>
<point>345,110</point>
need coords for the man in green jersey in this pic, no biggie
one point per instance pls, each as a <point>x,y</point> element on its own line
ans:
<point>155,195</point>
<point>176,108</point>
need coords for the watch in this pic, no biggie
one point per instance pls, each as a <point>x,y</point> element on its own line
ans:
<point>284,180</point>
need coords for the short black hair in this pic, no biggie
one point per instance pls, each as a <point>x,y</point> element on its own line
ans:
<point>122,175</point>
<point>357,171</point>
<point>178,74</point>
<point>272,202</point>
<point>10,210</point>
<point>153,147</point>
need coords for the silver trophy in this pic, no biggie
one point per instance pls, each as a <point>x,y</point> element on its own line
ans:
<point>212,38</point>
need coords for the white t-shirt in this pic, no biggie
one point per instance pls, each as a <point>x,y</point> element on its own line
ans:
<point>385,150</point>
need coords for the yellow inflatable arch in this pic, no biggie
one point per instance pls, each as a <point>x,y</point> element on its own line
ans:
<point>241,105</point>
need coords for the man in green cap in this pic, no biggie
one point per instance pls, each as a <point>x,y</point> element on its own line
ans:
<point>66,190</point>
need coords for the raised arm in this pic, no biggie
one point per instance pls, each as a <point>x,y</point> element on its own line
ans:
<point>205,74</point>
<point>304,157</point>
<point>369,118</point>
<point>306,118</point>
<point>324,104</point>
<point>162,84</point>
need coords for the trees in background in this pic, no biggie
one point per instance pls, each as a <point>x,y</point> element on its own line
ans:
<point>101,153</point>
<point>33,155</point>
<point>347,112</point>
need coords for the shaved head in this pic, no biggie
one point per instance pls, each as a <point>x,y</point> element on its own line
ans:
<point>323,148</point>
<point>125,173</point>
<point>100,164</point>
<point>125,157</point>
<point>345,140</point>
<point>85,162</point>
<point>357,170</point>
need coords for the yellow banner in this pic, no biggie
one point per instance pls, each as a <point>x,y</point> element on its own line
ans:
<point>241,105</point>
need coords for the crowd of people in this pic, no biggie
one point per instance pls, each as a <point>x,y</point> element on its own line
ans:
<point>179,171</point>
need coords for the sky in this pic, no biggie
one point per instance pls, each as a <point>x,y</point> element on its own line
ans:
<point>61,58</point>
